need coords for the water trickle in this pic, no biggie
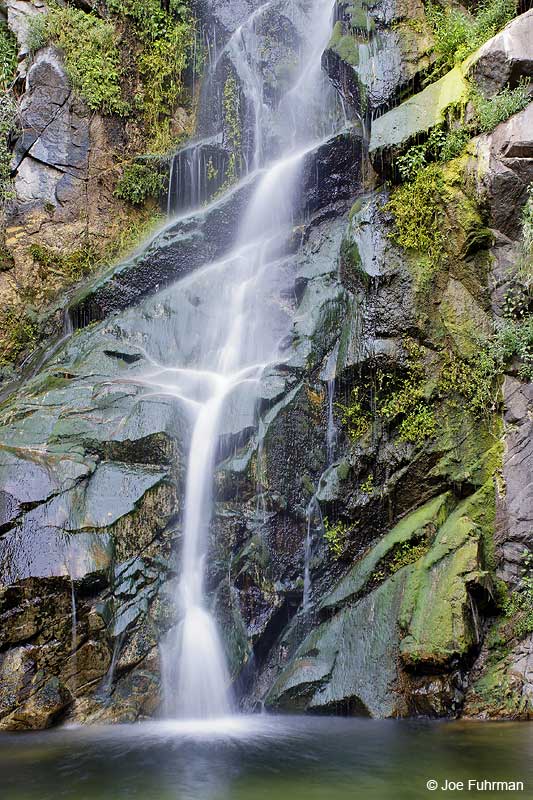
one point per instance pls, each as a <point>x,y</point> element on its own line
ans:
<point>74,634</point>
<point>328,375</point>
<point>234,324</point>
<point>314,522</point>
<point>107,683</point>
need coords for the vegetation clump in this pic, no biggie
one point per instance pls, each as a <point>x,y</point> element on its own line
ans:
<point>354,417</point>
<point>393,397</point>
<point>68,267</point>
<point>457,33</point>
<point>518,605</point>
<point>138,182</point>
<point>490,112</point>
<point>402,555</point>
<point>336,537</point>
<point>418,211</point>
<point>165,34</point>
<point>474,380</point>
<point>232,128</point>
<point>8,108</point>
<point>18,334</point>
<point>90,49</point>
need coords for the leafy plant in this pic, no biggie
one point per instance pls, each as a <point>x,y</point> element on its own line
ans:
<point>166,38</point>
<point>403,554</point>
<point>353,416</point>
<point>491,111</point>
<point>8,115</point>
<point>474,380</point>
<point>335,535</point>
<point>91,54</point>
<point>367,487</point>
<point>519,604</point>
<point>418,211</point>
<point>139,181</point>
<point>8,56</point>
<point>457,33</point>
<point>419,425</point>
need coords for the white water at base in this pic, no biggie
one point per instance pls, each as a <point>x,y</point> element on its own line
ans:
<point>235,324</point>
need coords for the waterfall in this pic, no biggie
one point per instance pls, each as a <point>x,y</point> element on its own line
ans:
<point>235,323</point>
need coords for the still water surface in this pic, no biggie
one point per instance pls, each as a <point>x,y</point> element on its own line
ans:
<point>266,758</point>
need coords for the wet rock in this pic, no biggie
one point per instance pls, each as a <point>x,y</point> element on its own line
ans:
<point>395,130</point>
<point>506,58</point>
<point>41,710</point>
<point>348,664</point>
<point>515,519</point>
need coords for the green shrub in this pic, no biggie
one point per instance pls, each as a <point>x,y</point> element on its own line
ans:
<point>166,40</point>
<point>491,111</point>
<point>8,56</point>
<point>514,339</point>
<point>91,54</point>
<point>354,417</point>
<point>457,33</point>
<point>519,604</point>
<point>336,537</point>
<point>139,181</point>
<point>38,35</point>
<point>8,115</point>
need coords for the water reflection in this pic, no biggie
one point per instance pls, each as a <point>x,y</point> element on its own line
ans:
<point>264,757</point>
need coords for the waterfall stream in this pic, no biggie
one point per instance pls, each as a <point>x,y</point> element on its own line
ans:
<point>236,327</point>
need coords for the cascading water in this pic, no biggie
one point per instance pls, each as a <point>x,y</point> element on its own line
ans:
<point>236,324</point>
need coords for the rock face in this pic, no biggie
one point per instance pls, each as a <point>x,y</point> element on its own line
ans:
<point>371,508</point>
<point>506,59</point>
<point>64,164</point>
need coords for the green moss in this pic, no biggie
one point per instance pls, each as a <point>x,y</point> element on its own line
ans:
<point>352,262</point>
<point>418,526</point>
<point>418,211</point>
<point>359,17</point>
<point>436,612</point>
<point>139,181</point>
<point>18,334</point>
<point>68,267</point>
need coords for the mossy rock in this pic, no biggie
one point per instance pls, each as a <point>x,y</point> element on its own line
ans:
<point>437,613</point>
<point>353,583</point>
<point>419,114</point>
